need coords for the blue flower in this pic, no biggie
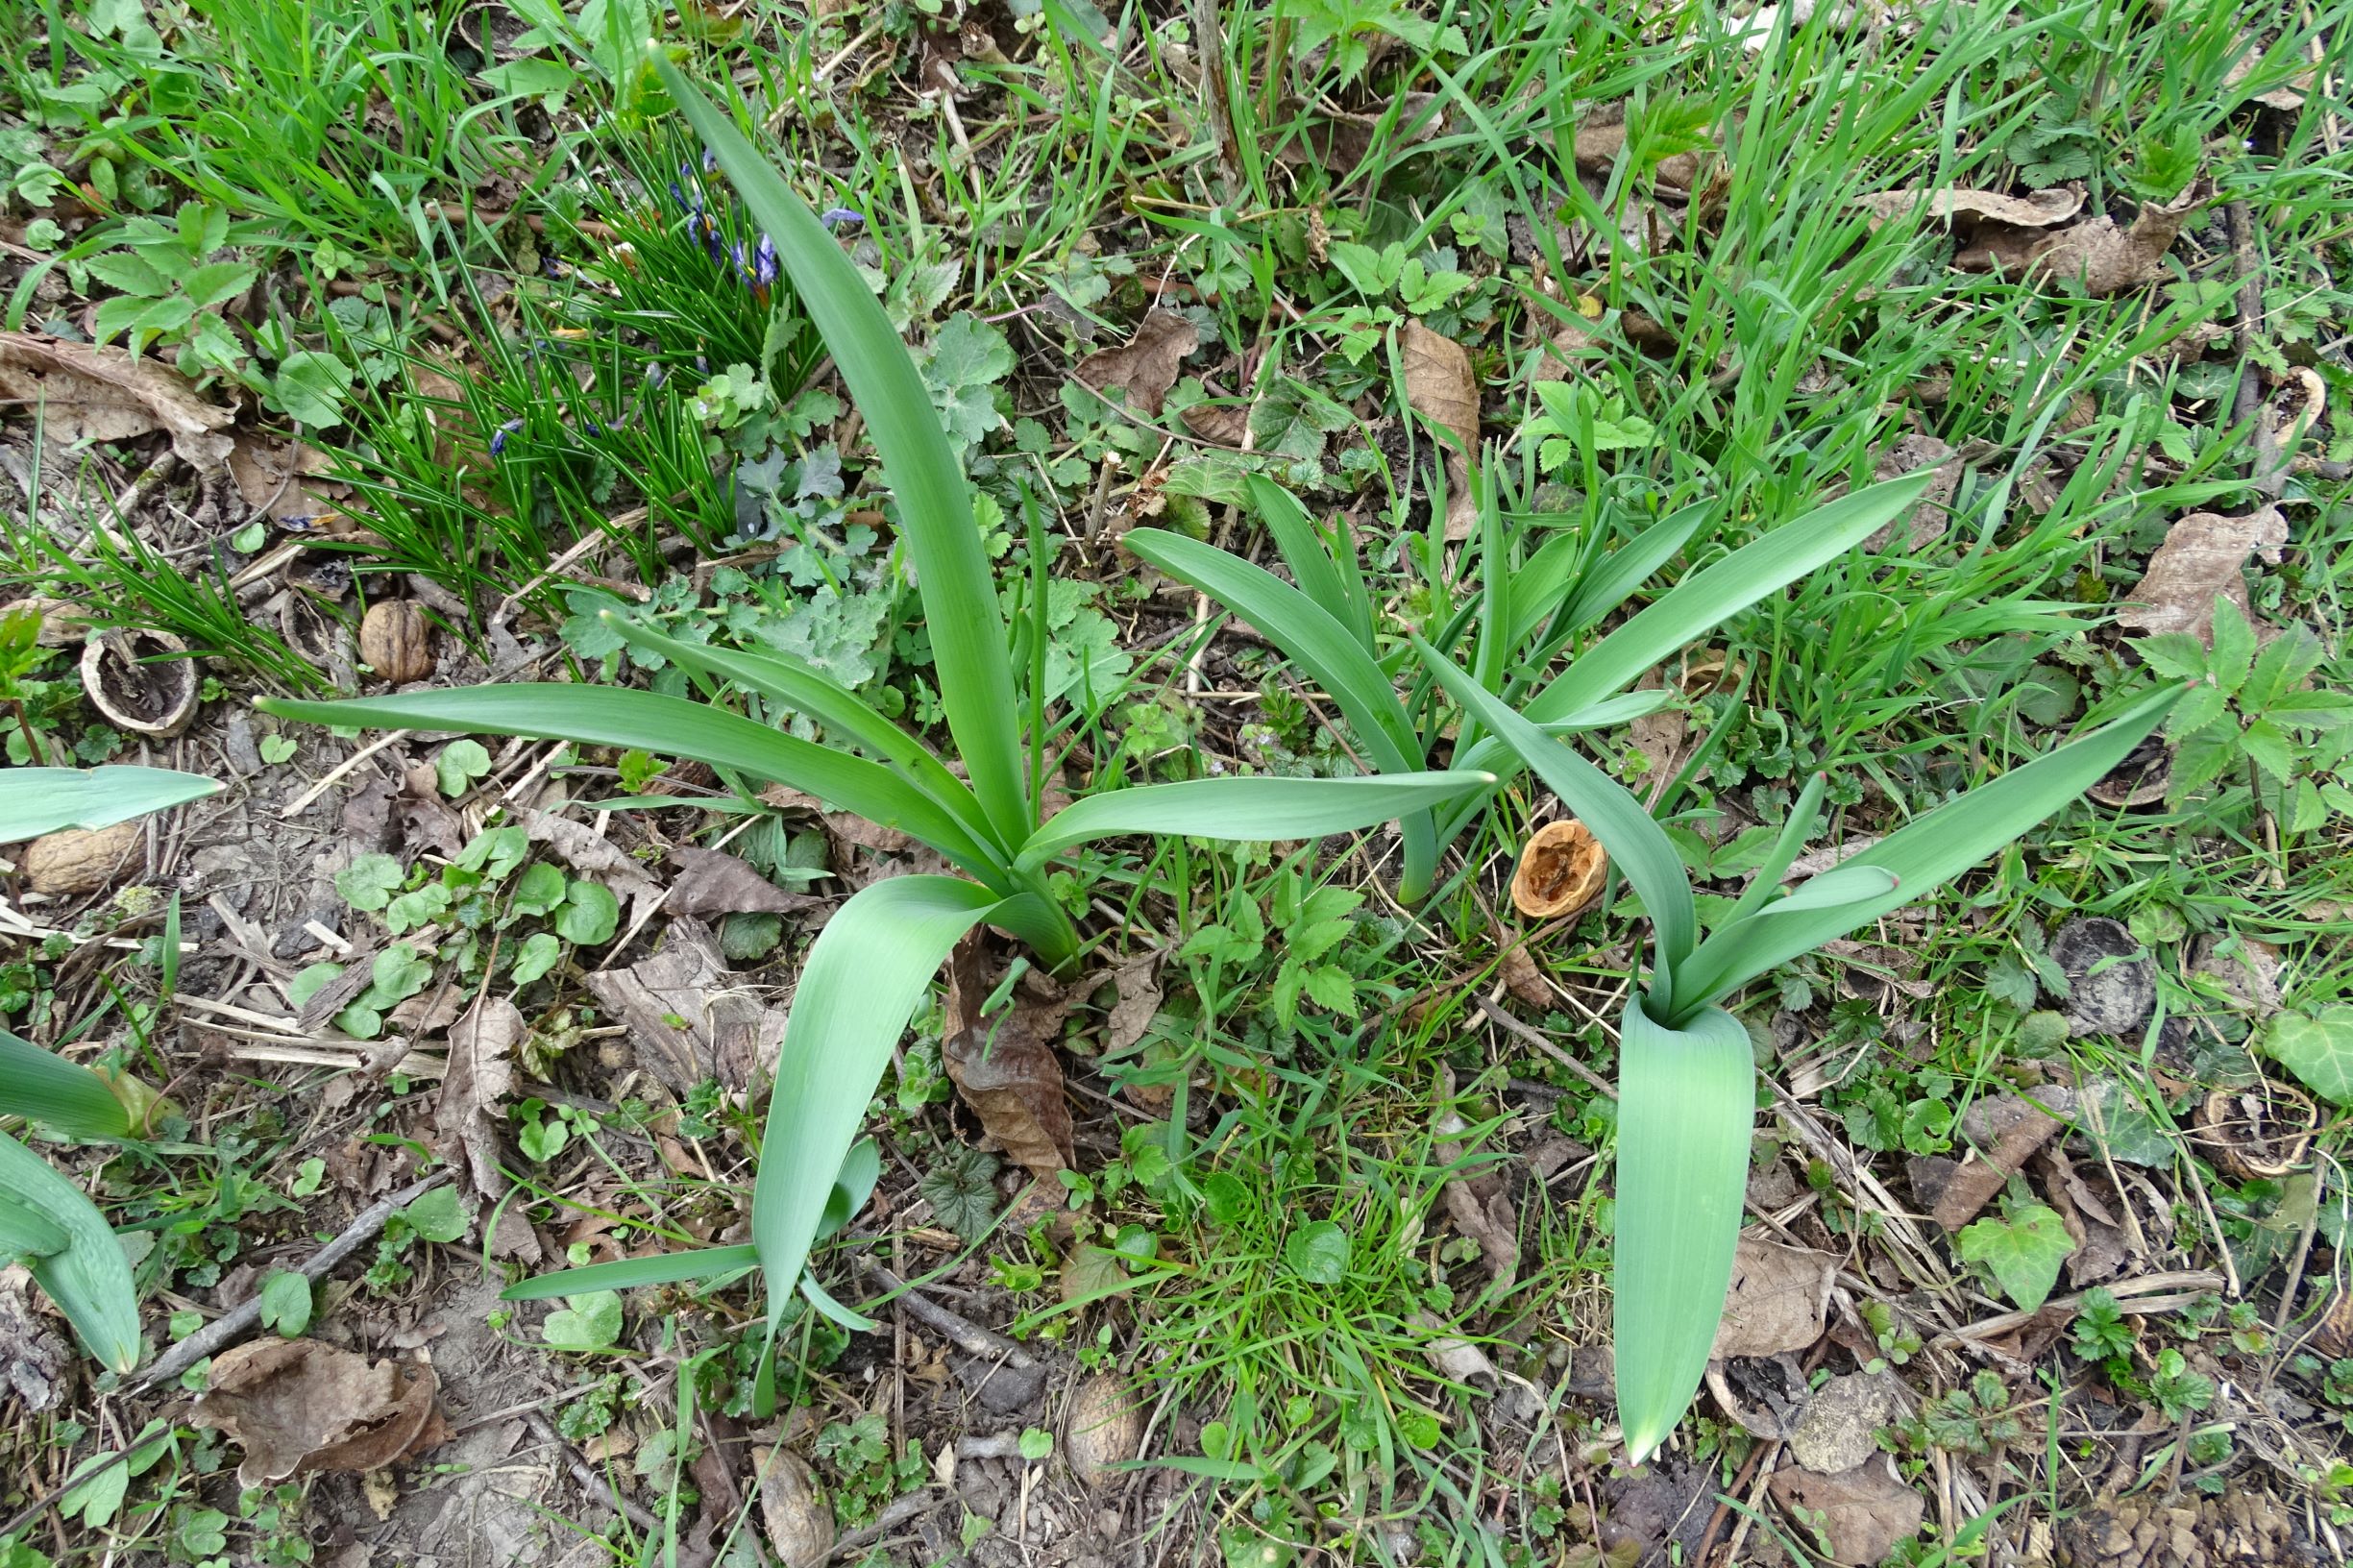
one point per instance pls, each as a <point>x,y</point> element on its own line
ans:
<point>498,437</point>
<point>833,215</point>
<point>711,241</point>
<point>710,162</point>
<point>742,264</point>
<point>764,262</point>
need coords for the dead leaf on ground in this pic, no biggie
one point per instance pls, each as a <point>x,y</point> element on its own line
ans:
<point>102,393</point>
<point>1004,1065</point>
<point>297,1406</point>
<point>846,827</point>
<point>1439,386</point>
<point>689,1016</point>
<point>1958,204</point>
<point>1562,867</point>
<point>1146,367</point>
<point>714,882</point>
<point>35,1364</point>
<point>1524,978</point>
<point>1477,1200</point>
<point>1338,141</point>
<point>2002,1133</point>
<point>281,478</point>
<point>1139,999</point>
<point>2287,98</point>
<point>1777,1301</point>
<point>1455,1359</point>
<point>586,850</point>
<point>2108,260</point>
<point>1931,514</point>
<point>428,820</point>
<point>1861,1516</point>
<point>467,1115</point>
<point>2202,560</point>
<point>2099,1253</point>
<point>800,1521</point>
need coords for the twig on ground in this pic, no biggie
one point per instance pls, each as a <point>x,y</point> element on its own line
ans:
<point>967,1335</point>
<point>587,1475</point>
<point>1521,1032</point>
<point>905,1511</point>
<point>218,1333</point>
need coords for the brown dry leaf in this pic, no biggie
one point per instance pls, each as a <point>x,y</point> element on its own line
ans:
<point>1861,1515</point>
<point>1777,1300</point>
<point>800,1521</point>
<point>714,882</point>
<point>1219,424</point>
<point>1930,515</point>
<point>1139,999</point>
<point>2099,1243</point>
<point>1477,1202</point>
<point>466,1118</point>
<point>1524,978</point>
<point>2003,1133</point>
<point>88,393</point>
<point>1339,140</point>
<point>35,1365</point>
<point>1562,869</point>
<point>296,1406</point>
<point>586,850</point>
<point>2200,562</point>
<point>1439,386</point>
<point>1004,1066</point>
<point>278,478</point>
<point>1146,367</point>
<point>689,1020</point>
<point>846,827</point>
<point>2286,99</point>
<point>1456,1358</point>
<point>1954,204</point>
<point>427,820</point>
<point>2109,260</point>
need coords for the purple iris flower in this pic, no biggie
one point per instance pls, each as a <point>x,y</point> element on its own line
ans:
<point>764,262</point>
<point>833,215</point>
<point>743,263</point>
<point>710,162</point>
<point>711,241</point>
<point>498,437</point>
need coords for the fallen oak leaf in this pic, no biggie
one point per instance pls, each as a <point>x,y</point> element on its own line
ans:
<point>103,393</point>
<point>1956,204</point>
<point>1145,367</point>
<point>2200,561</point>
<point>297,1406</point>
<point>1439,386</point>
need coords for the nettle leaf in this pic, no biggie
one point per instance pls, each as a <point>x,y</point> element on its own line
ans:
<point>1318,1253</point>
<point>2023,1252</point>
<point>2317,1050</point>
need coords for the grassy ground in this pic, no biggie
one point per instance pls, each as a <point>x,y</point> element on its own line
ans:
<point>484,343</point>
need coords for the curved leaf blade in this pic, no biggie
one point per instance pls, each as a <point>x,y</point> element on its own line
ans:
<point>37,801</point>
<point>670,727</point>
<point>960,607</point>
<point>1686,1106</point>
<point>91,1278</point>
<point>631,1273</point>
<point>1249,810</point>
<point>1303,552</point>
<point>43,1086</point>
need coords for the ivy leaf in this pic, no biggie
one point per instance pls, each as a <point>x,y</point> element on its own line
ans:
<point>2023,1251</point>
<point>437,1215</point>
<point>538,955</point>
<point>1318,1253</point>
<point>2317,1050</point>
<point>459,765</point>
<point>539,890</point>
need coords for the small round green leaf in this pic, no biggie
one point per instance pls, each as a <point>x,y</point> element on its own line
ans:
<point>1318,1253</point>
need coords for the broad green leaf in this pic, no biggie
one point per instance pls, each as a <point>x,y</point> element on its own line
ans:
<point>37,801</point>
<point>935,504</point>
<point>630,1273</point>
<point>436,1215</point>
<point>43,1086</point>
<point>587,1321</point>
<point>1635,842</point>
<point>1311,565</point>
<point>1921,857</point>
<point>795,686</point>
<point>864,975</point>
<point>1317,1253</point>
<point>2317,1050</point>
<point>674,726</point>
<point>1686,1106</point>
<point>88,1278</point>
<point>285,1303</point>
<point>590,915</point>
<point>1708,597</point>
<point>1252,810</point>
<point>2023,1251</point>
<point>1835,889</point>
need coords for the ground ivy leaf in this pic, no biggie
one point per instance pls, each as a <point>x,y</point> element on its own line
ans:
<point>589,1322</point>
<point>2023,1251</point>
<point>437,1215</point>
<point>285,1304</point>
<point>1318,1253</point>
<point>2319,1050</point>
<point>368,882</point>
<point>590,915</point>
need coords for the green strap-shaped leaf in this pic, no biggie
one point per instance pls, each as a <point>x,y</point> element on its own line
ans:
<point>1686,1106</point>
<point>88,1278</point>
<point>668,726</point>
<point>1613,581</point>
<point>795,686</point>
<point>1635,842</point>
<point>1920,858</point>
<point>865,974</point>
<point>968,633</point>
<point>1311,565</point>
<point>37,801</point>
<point>1248,810</point>
<point>631,1273</point>
<point>43,1086</point>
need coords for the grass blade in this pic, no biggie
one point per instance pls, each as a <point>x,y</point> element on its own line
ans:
<point>1686,1106</point>
<point>935,503</point>
<point>670,727</point>
<point>629,1273</point>
<point>43,1086</point>
<point>1921,857</point>
<point>91,1278</point>
<point>865,974</point>
<point>1252,810</point>
<point>1718,590</point>
<point>1614,580</point>
<point>800,689</point>
<point>1639,844</point>
<point>37,801</point>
